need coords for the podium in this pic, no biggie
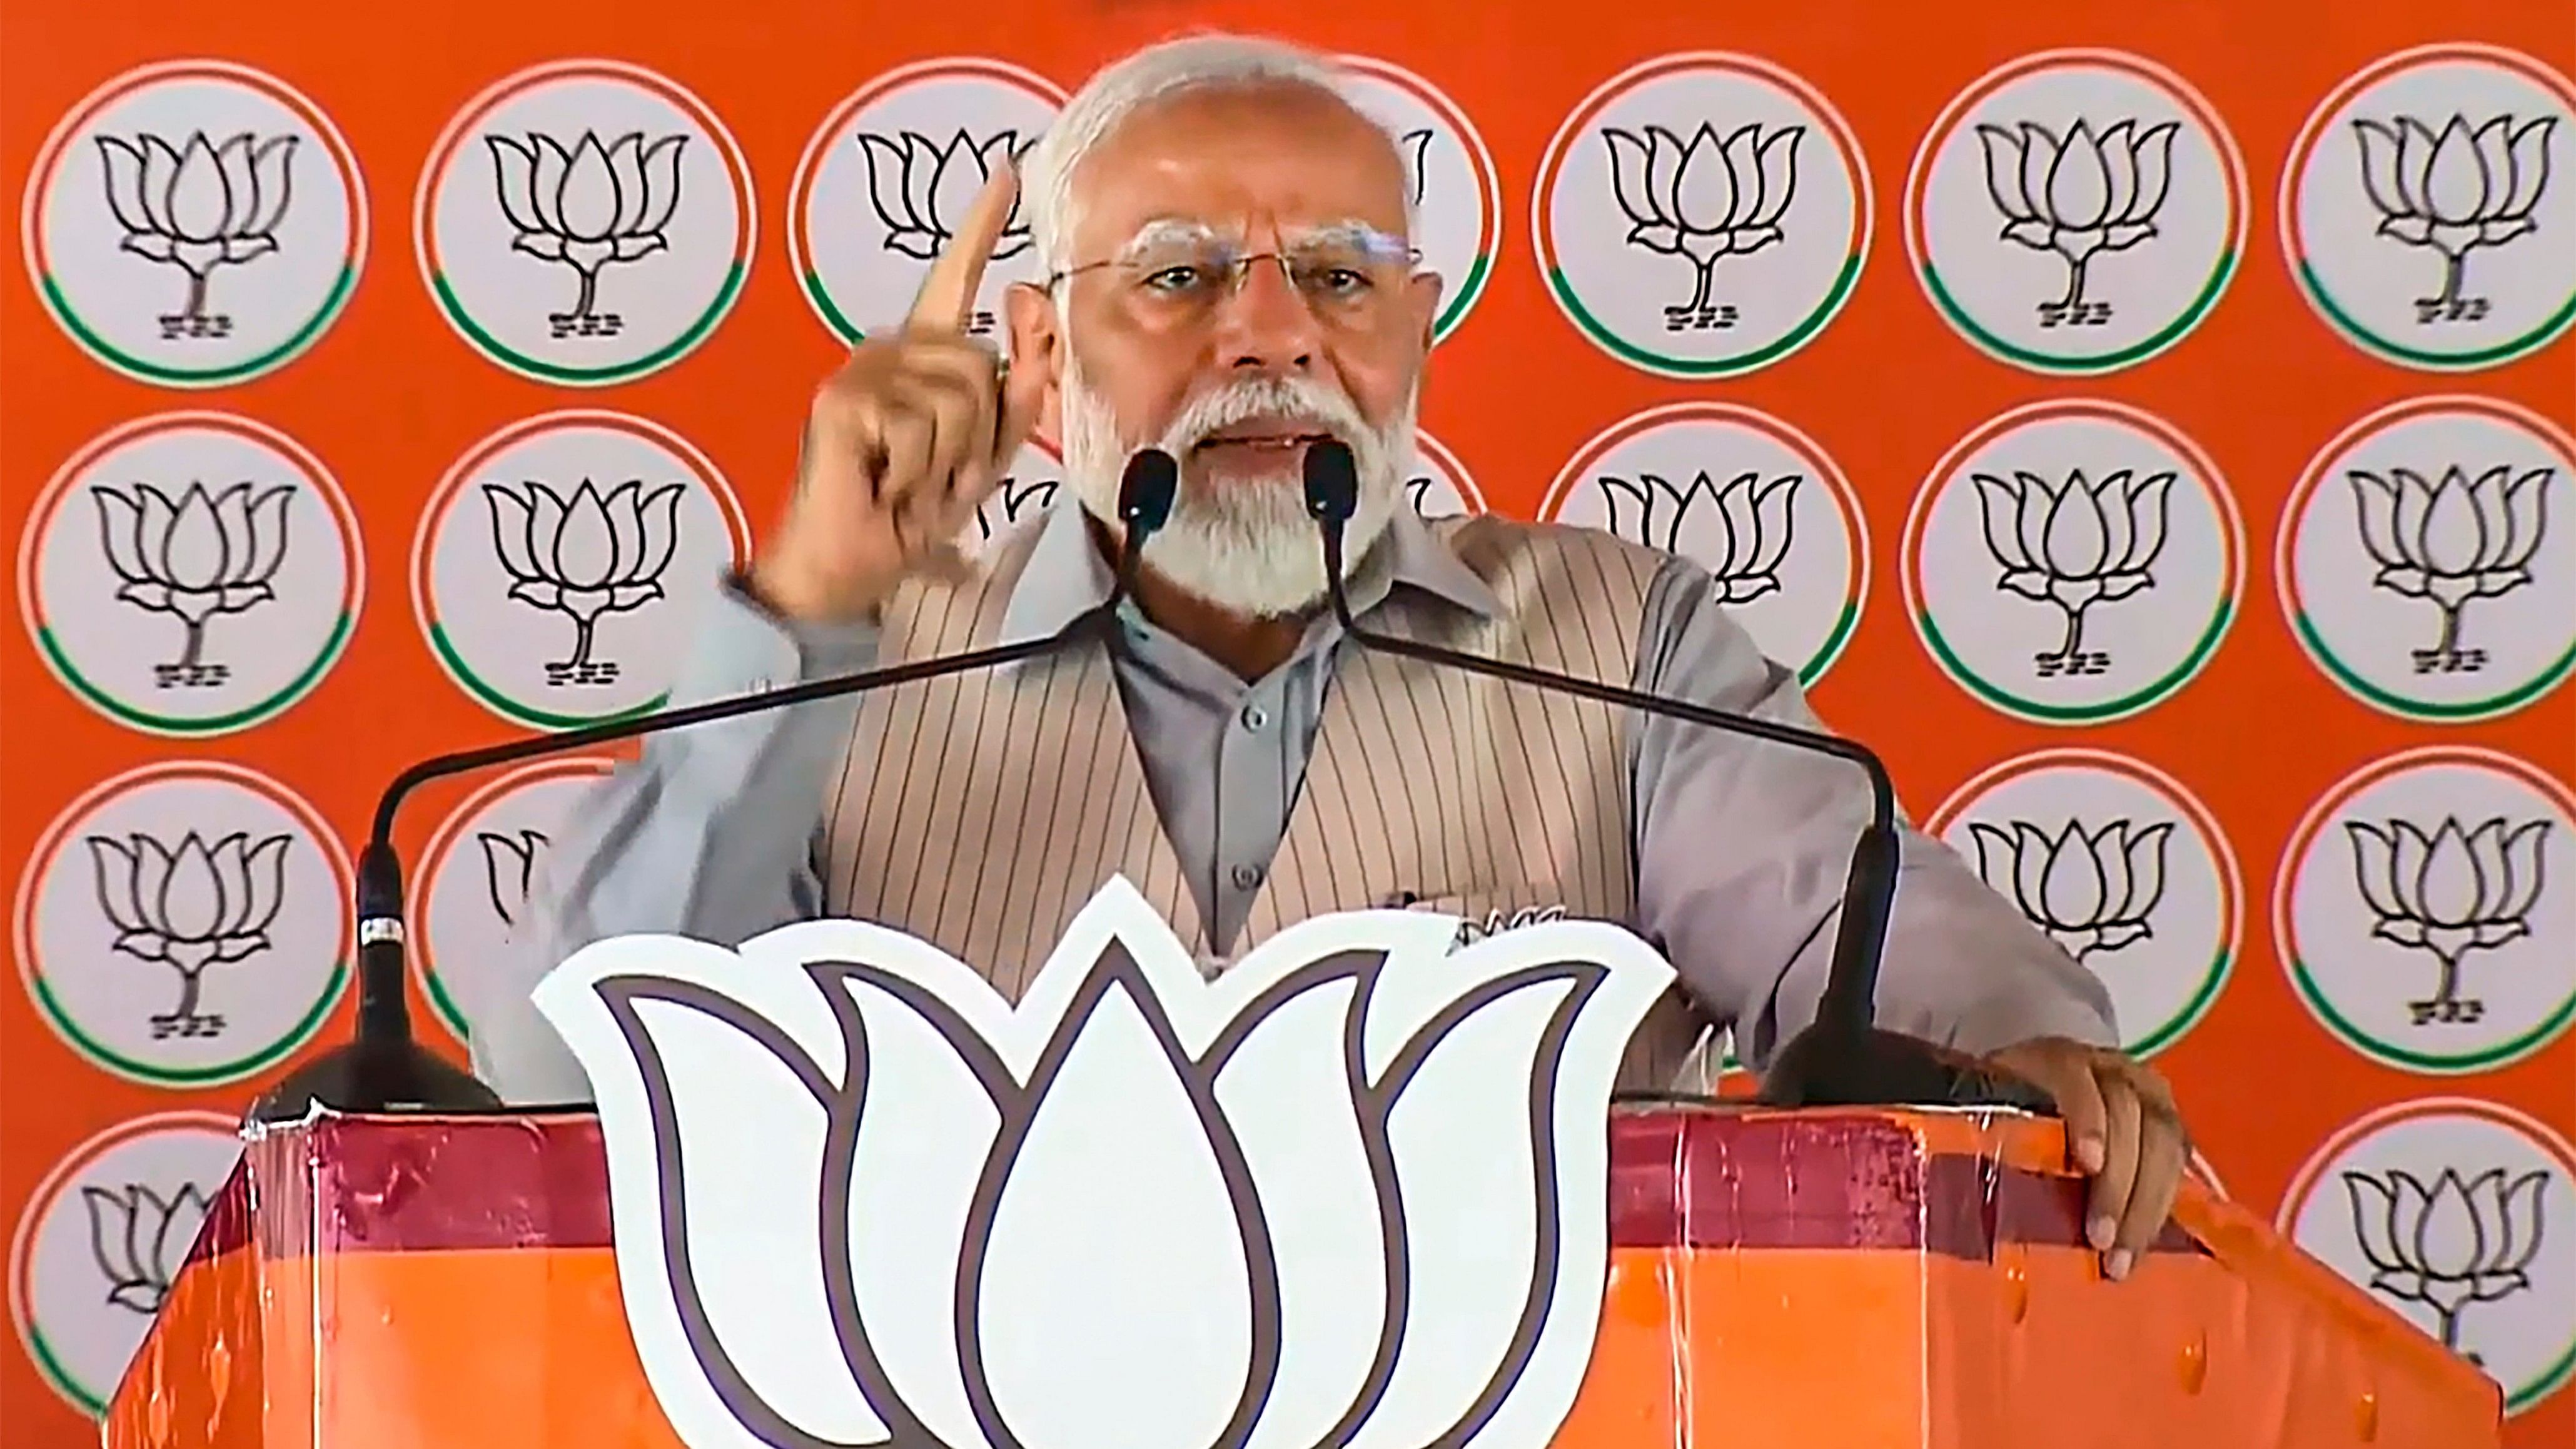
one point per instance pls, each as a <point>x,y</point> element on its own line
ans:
<point>1813,1278</point>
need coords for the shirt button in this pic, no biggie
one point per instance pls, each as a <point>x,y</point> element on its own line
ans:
<point>1246,877</point>
<point>1255,717</point>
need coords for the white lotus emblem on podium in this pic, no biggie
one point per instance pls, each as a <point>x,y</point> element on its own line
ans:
<point>1350,1193</point>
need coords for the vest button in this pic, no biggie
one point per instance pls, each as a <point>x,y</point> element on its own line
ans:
<point>1255,717</point>
<point>1246,877</point>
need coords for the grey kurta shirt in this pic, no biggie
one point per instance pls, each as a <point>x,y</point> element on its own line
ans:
<point>1741,845</point>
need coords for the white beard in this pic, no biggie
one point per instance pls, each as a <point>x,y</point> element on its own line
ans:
<point>1248,547</point>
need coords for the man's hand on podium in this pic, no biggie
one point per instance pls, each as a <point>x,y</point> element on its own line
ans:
<point>2123,1130</point>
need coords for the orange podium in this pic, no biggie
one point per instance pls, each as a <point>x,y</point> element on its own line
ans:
<point>1813,1278</point>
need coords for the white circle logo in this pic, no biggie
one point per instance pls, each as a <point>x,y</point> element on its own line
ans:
<point>1029,489</point>
<point>2426,909</point>
<point>191,574</point>
<point>2118,864</point>
<point>186,924</point>
<point>1702,215</point>
<point>1456,198</point>
<point>469,902</point>
<point>585,223</point>
<point>195,223</point>
<point>2073,562</point>
<point>2428,204</point>
<point>889,175</point>
<point>1438,484</point>
<point>2077,211</point>
<point>1745,496</point>
<point>103,1239</point>
<point>563,563</point>
<point>2454,1213</point>
<point>2427,560</point>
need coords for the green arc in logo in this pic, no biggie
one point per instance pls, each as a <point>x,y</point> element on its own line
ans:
<point>2221,966</point>
<point>2454,1064</point>
<point>259,1061</point>
<point>59,1374</point>
<point>2490,707</point>
<point>1469,288</point>
<point>2314,288</point>
<point>2171,333</point>
<point>512,709</point>
<point>136,367</point>
<point>544,371</point>
<point>1823,659</point>
<point>1629,352</point>
<point>441,1001</point>
<point>2128,704</point>
<point>105,703</point>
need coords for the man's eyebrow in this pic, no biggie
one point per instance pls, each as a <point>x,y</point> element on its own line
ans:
<point>1181,231</point>
<point>1163,232</point>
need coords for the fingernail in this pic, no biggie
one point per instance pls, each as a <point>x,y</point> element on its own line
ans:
<point>2117,1265</point>
<point>2100,1231</point>
<point>2088,1154</point>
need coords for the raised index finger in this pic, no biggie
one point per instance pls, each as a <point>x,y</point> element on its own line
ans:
<point>947,296</point>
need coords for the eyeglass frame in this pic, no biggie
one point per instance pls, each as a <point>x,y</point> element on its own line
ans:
<point>1383,246</point>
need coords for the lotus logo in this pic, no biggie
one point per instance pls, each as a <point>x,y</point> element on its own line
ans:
<point>2458,1242</point>
<point>1414,148</point>
<point>1704,199</point>
<point>1739,531</point>
<point>510,870</point>
<point>2448,893</point>
<point>584,557</point>
<point>201,555</point>
<point>921,189</point>
<point>2074,544</point>
<point>2090,890</point>
<point>587,206</point>
<point>2079,196</point>
<point>1012,501</point>
<point>139,1240</point>
<point>189,907</point>
<point>1353,1190</point>
<point>2449,541</point>
<point>198,206</point>
<point>2453,192</point>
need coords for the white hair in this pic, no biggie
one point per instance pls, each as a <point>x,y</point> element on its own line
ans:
<point>1120,89</point>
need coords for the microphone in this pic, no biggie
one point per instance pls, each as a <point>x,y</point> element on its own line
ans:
<point>1844,1058</point>
<point>383,1068</point>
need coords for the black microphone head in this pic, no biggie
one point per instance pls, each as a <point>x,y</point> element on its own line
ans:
<point>1332,481</point>
<point>1146,489</point>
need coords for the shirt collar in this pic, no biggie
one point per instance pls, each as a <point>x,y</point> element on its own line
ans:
<point>1065,573</point>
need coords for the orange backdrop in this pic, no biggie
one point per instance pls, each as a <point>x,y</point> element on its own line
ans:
<point>2414,1135</point>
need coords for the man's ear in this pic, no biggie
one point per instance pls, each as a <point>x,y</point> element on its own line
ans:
<point>1037,341</point>
<point>1423,292</point>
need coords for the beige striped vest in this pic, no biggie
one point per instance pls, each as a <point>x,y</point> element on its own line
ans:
<point>979,812</point>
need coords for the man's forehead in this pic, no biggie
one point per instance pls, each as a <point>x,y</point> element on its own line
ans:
<point>1285,155</point>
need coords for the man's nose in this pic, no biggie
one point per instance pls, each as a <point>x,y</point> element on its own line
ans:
<point>1265,325</point>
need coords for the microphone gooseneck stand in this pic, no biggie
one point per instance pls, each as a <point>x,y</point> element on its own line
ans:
<point>1844,1058</point>
<point>383,1068</point>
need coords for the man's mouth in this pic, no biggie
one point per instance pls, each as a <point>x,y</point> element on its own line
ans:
<point>1263,436</point>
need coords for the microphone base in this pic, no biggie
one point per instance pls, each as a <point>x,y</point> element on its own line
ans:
<point>378,1076</point>
<point>1837,1067</point>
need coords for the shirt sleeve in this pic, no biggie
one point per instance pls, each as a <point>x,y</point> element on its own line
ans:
<point>712,832</point>
<point>1743,846</point>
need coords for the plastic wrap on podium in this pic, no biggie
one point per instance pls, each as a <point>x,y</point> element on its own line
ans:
<point>1836,1278</point>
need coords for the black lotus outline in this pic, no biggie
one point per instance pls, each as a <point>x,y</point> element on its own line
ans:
<point>521,847</point>
<point>1116,969</point>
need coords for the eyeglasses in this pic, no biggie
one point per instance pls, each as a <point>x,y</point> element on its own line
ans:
<point>1344,279</point>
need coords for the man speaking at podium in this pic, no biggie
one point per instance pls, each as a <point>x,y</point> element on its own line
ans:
<point>1228,278</point>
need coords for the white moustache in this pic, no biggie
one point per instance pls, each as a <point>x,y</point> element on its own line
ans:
<point>1292,399</point>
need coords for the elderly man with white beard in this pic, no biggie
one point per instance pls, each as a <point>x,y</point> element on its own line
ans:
<point>1228,277</point>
